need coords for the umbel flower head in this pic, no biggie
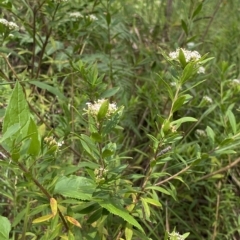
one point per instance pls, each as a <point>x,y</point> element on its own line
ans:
<point>190,56</point>
<point>9,25</point>
<point>93,108</point>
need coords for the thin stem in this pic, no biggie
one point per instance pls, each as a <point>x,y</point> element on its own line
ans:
<point>224,169</point>
<point>45,43</point>
<point>173,176</point>
<point>211,19</point>
<point>217,212</point>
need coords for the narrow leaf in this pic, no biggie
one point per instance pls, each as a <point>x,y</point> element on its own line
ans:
<point>43,218</point>
<point>35,144</point>
<point>49,88</point>
<point>53,205</point>
<point>117,209</point>
<point>146,208</point>
<point>128,232</point>
<point>153,202</point>
<point>232,121</point>
<point>73,221</point>
<point>184,26</point>
<point>197,10</point>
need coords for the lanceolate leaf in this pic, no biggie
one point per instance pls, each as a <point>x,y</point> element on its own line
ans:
<point>43,218</point>
<point>53,205</point>
<point>116,208</point>
<point>35,144</point>
<point>73,221</point>
<point>17,113</point>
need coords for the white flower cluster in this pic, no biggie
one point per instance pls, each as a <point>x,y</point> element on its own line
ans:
<point>207,99</point>
<point>175,236</point>
<point>235,82</point>
<point>76,15</point>
<point>93,108</point>
<point>200,133</point>
<point>51,141</point>
<point>10,25</point>
<point>201,70</point>
<point>92,17</point>
<point>189,55</point>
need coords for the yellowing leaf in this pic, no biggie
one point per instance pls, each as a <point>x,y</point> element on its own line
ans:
<point>54,207</point>
<point>43,218</point>
<point>153,202</point>
<point>128,232</point>
<point>73,221</point>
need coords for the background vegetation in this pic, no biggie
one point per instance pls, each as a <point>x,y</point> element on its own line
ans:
<point>135,173</point>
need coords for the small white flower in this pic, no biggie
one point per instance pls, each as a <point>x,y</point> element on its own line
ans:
<point>59,144</point>
<point>92,17</point>
<point>201,70</point>
<point>235,82</point>
<point>175,236</point>
<point>4,21</point>
<point>207,99</point>
<point>76,15</point>
<point>200,133</point>
<point>13,26</point>
<point>173,84</point>
<point>191,44</point>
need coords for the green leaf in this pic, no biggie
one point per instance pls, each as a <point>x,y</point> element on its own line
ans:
<point>197,10</point>
<point>17,113</point>
<point>109,92</point>
<point>184,26</point>
<point>5,227</point>
<point>103,110</point>
<point>182,58</point>
<point>89,146</point>
<point>10,131</point>
<point>153,202</point>
<point>210,134</point>
<point>232,121</point>
<point>108,18</point>
<point>116,208</point>
<point>185,235</point>
<point>146,208</point>
<point>178,122</point>
<point>35,144</point>
<point>49,88</point>
<point>75,187</point>
<point>159,189</point>
<point>189,70</point>
<point>178,103</point>
<point>113,121</point>
<point>95,216</point>
<point>107,153</point>
<point>19,217</point>
<point>169,88</point>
